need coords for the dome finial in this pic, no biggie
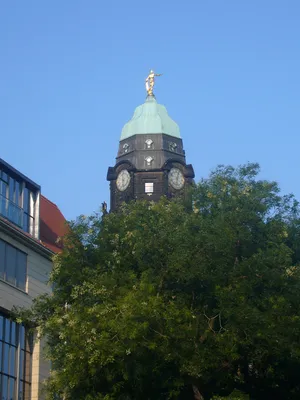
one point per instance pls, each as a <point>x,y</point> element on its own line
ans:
<point>150,81</point>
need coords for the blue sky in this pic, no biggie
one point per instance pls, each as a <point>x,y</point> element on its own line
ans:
<point>72,73</point>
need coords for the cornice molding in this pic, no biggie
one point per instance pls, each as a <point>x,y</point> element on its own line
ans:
<point>26,240</point>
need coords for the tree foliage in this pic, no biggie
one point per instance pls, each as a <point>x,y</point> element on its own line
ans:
<point>157,299</point>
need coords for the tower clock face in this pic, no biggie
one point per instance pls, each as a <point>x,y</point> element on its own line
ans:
<point>176,178</point>
<point>123,180</point>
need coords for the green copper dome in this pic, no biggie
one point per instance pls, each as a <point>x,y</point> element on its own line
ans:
<point>150,117</point>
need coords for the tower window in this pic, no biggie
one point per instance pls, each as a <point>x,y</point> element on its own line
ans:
<point>149,144</point>
<point>149,160</point>
<point>172,146</point>
<point>125,147</point>
<point>149,188</point>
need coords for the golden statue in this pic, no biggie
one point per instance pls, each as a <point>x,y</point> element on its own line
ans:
<point>150,81</point>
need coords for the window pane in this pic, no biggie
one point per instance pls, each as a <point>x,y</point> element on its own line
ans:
<point>5,358</point>
<point>21,392</point>
<point>12,361</point>
<point>11,387</point>
<point>21,365</point>
<point>18,194</point>
<point>14,213</point>
<point>4,387</point>
<point>13,339</point>
<point>13,265</point>
<point>21,270</point>
<point>1,345</point>
<point>11,194</point>
<point>3,188</point>
<point>2,203</point>
<point>3,200</point>
<point>11,261</point>
<point>25,222</point>
<point>7,330</point>
<point>4,176</point>
<point>1,328</point>
<point>2,259</point>
<point>22,337</point>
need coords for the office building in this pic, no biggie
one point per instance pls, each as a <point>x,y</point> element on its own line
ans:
<point>30,226</point>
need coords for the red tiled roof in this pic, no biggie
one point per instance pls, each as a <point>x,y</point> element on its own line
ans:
<point>52,225</point>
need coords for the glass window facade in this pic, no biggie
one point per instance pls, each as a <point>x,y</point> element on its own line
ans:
<point>16,346</point>
<point>17,202</point>
<point>13,265</point>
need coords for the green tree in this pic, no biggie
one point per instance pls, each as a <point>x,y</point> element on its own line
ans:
<point>157,301</point>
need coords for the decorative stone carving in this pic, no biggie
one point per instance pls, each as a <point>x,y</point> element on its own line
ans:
<point>173,146</point>
<point>149,144</point>
<point>149,160</point>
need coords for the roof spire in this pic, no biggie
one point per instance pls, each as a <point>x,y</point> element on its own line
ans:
<point>150,81</point>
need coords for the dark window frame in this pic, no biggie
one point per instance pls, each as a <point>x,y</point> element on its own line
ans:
<point>19,269</point>
<point>15,201</point>
<point>17,343</point>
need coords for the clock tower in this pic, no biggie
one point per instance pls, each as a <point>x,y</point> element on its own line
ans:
<point>151,160</point>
